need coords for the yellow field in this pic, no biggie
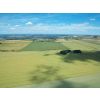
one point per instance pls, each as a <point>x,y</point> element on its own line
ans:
<point>13,44</point>
<point>82,45</point>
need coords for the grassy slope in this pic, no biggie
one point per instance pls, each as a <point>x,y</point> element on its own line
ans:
<point>16,67</point>
<point>40,46</point>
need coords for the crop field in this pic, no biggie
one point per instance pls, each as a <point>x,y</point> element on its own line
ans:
<point>13,44</point>
<point>86,45</point>
<point>96,42</point>
<point>37,64</point>
<point>40,46</point>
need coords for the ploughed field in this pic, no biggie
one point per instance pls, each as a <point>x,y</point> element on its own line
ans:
<point>25,63</point>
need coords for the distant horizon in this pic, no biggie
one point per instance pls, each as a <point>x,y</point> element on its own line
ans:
<point>54,34</point>
<point>50,23</point>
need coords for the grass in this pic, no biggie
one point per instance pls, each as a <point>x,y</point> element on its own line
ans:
<point>40,46</point>
<point>16,68</point>
<point>22,69</point>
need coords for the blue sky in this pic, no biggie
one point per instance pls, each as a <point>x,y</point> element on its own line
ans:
<point>50,23</point>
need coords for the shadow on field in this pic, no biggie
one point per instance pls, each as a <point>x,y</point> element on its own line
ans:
<point>46,54</point>
<point>64,84</point>
<point>43,74</point>
<point>68,84</point>
<point>84,56</point>
<point>48,76</point>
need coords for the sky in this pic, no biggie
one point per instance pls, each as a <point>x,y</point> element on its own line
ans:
<point>50,23</point>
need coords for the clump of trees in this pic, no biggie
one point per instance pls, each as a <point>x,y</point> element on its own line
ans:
<point>64,52</point>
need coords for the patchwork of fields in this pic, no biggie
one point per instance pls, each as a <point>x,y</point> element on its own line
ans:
<point>37,63</point>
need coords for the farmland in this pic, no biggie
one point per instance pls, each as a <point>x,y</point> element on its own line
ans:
<point>13,44</point>
<point>40,46</point>
<point>37,64</point>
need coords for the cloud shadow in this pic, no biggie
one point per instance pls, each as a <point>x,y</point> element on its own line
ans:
<point>51,76</point>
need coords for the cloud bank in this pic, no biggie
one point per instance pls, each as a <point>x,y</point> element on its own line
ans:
<point>41,28</point>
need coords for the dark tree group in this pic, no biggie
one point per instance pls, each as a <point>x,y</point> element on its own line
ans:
<point>64,52</point>
<point>77,51</point>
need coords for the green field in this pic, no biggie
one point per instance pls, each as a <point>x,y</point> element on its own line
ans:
<point>40,46</point>
<point>38,65</point>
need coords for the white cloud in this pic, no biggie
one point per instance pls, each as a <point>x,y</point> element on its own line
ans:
<point>92,19</point>
<point>80,28</point>
<point>29,23</point>
<point>17,25</point>
<point>62,28</point>
<point>80,24</point>
<point>12,28</point>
